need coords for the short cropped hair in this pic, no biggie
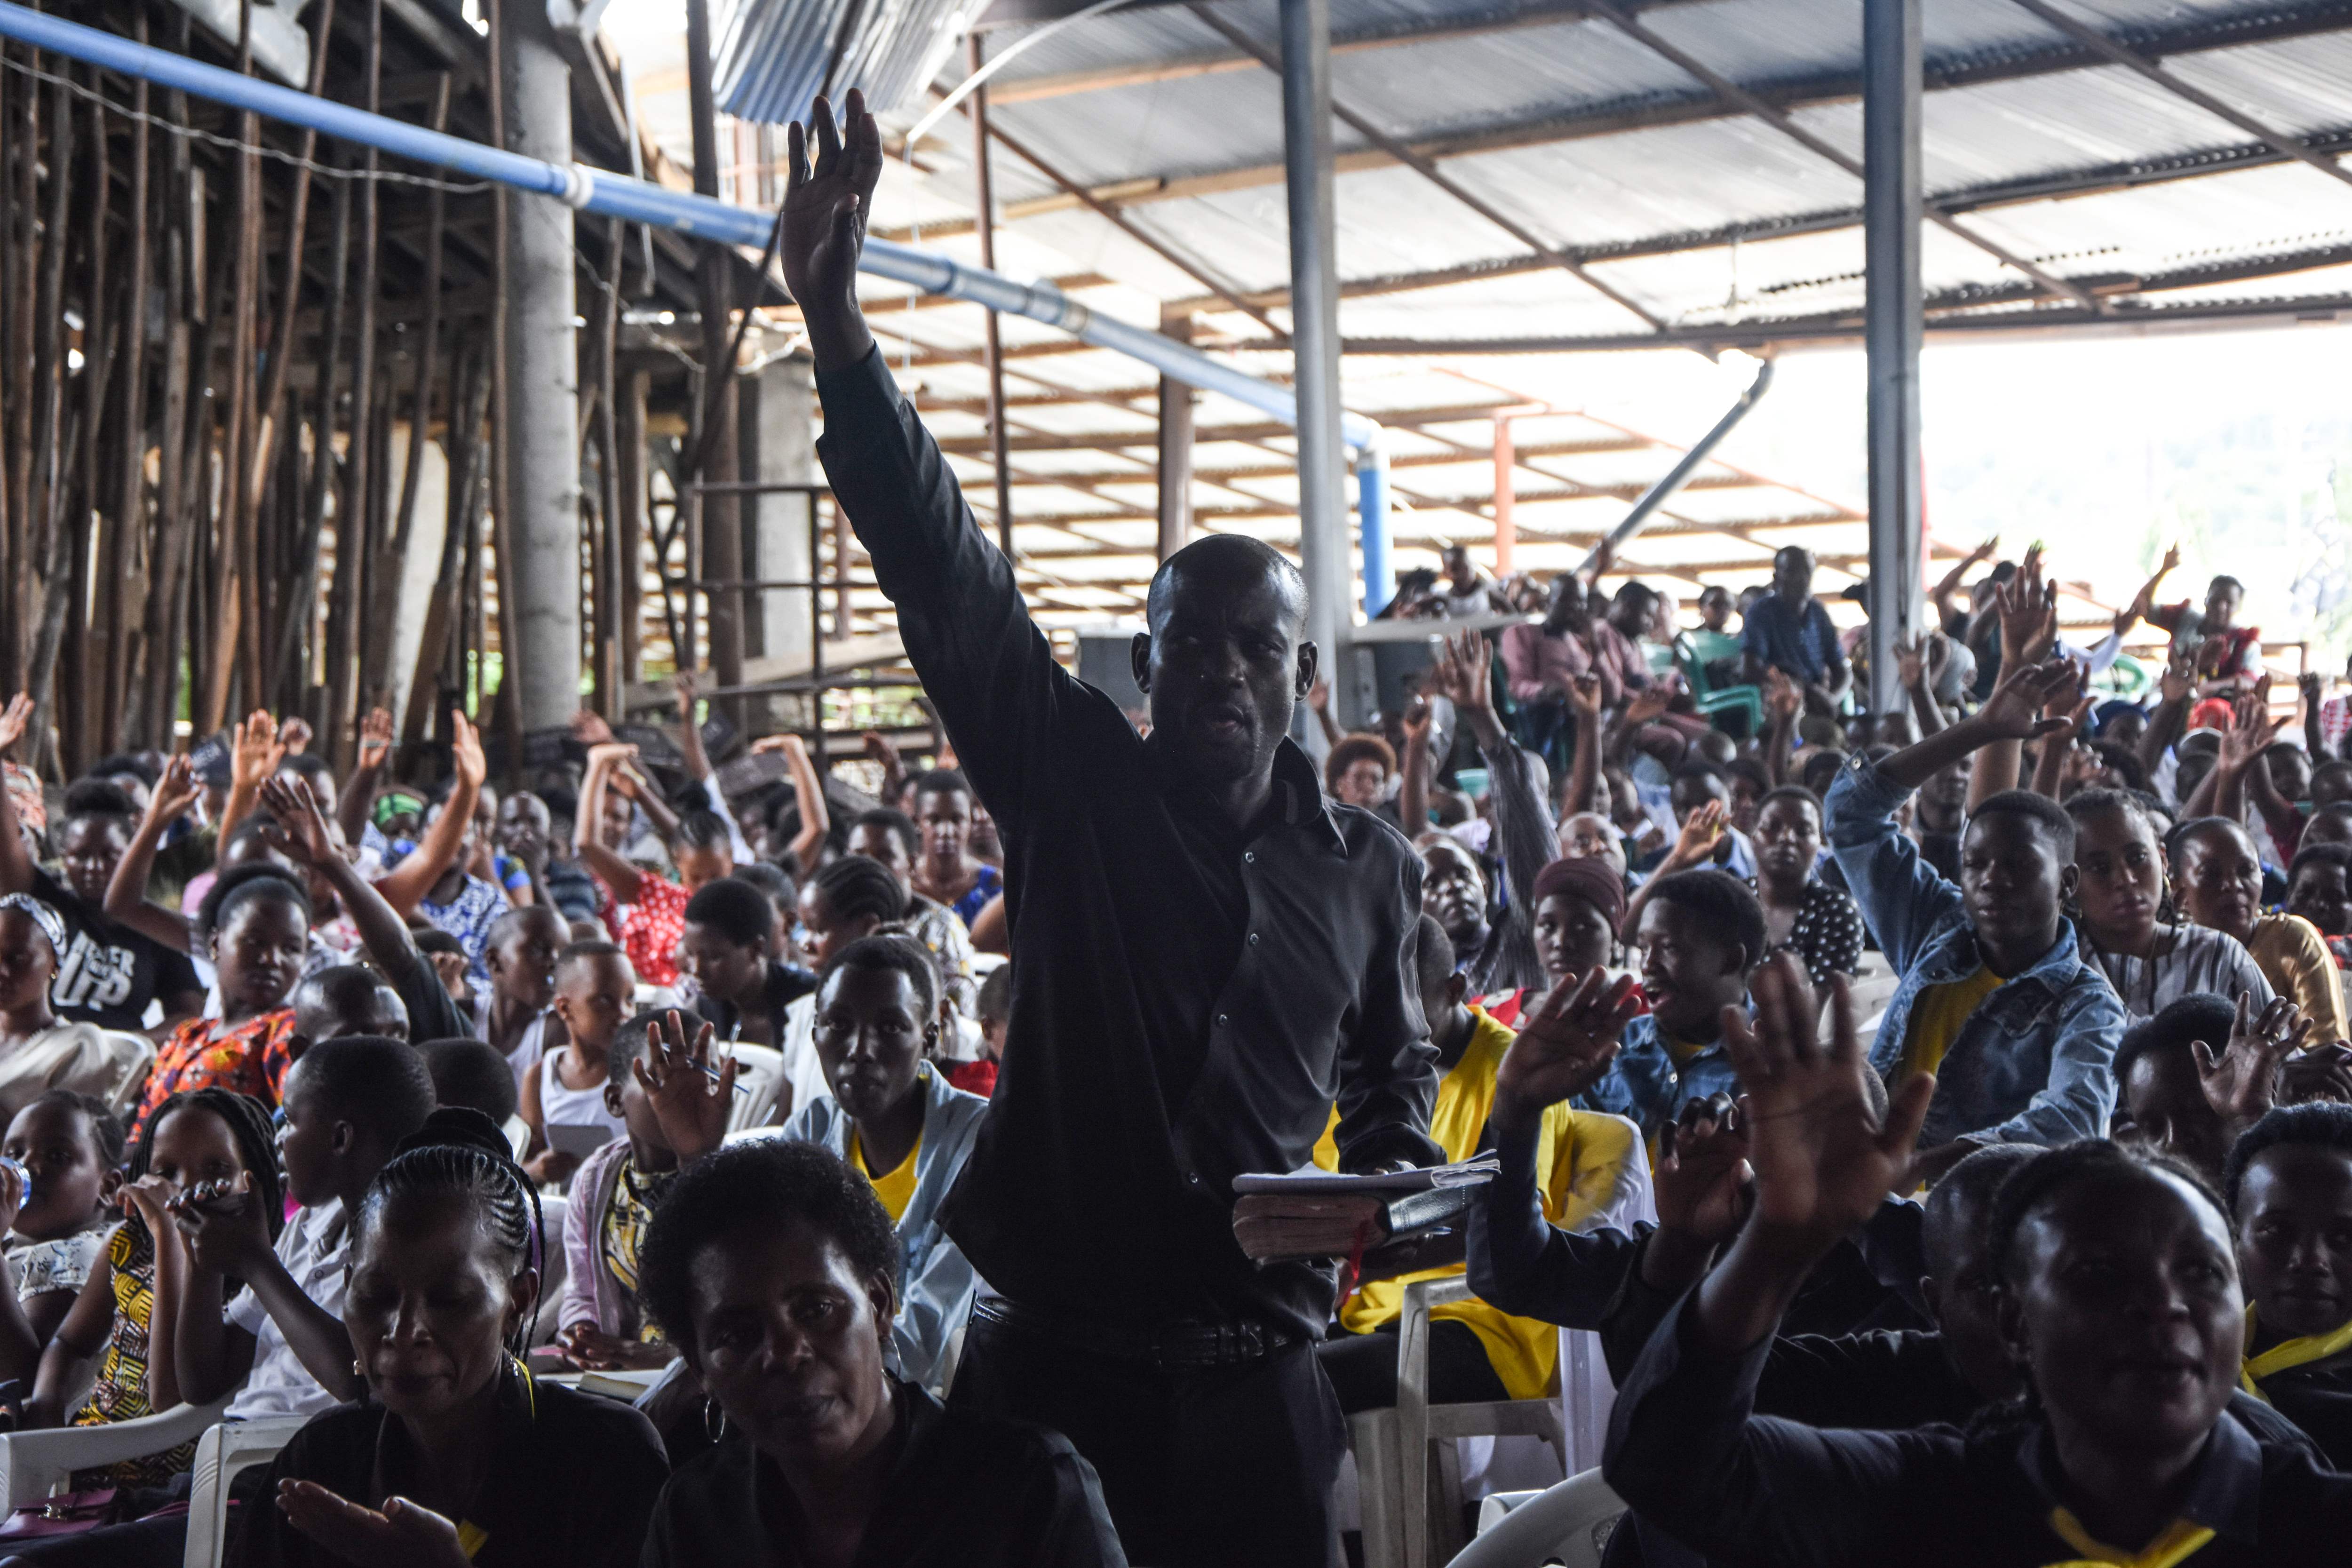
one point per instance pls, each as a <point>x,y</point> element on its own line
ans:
<point>2325,1123</point>
<point>943,780</point>
<point>858,885</point>
<point>891,951</point>
<point>2042,1178</point>
<point>995,1003</point>
<point>2038,809</point>
<point>2337,855</point>
<point>897,824</point>
<point>241,885</point>
<point>471,1073</point>
<point>703,830</point>
<point>378,1083</point>
<point>1722,903</point>
<point>755,1189</point>
<point>582,953</point>
<point>107,1133</point>
<point>735,910</point>
<point>98,797</point>
<point>2199,1015</point>
<point>633,1040</point>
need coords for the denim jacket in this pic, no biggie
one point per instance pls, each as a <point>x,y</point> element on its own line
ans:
<point>1646,1086</point>
<point>2033,1064</point>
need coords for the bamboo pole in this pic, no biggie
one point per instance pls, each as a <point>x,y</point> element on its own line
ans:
<point>129,527</point>
<point>294,628</point>
<point>48,368</point>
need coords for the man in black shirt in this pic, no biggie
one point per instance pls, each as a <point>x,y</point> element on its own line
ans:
<point>107,973</point>
<point>1207,956</point>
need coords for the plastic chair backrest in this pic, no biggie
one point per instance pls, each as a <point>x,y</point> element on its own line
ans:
<point>1562,1525</point>
<point>224,1452</point>
<point>758,1070</point>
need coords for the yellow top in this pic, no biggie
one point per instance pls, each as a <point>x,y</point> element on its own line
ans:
<point>896,1190</point>
<point>1936,1014</point>
<point>2179,1541</point>
<point>2286,1354</point>
<point>2293,957</point>
<point>1578,1158</point>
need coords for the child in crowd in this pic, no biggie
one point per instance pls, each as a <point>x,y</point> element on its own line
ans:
<point>520,1012</point>
<point>2289,1187</point>
<point>457,1454</point>
<point>2123,910</point>
<point>1803,914</point>
<point>1701,934</point>
<point>2319,889</point>
<point>1593,1174</point>
<point>132,1298</point>
<point>347,999</point>
<point>39,1050</point>
<point>994,1009</point>
<point>656,915</point>
<point>949,870</point>
<point>593,988</point>
<point>773,1231</point>
<point>611,1201</point>
<point>471,1074</point>
<point>107,973</point>
<point>71,1146</point>
<point>2219,875</point>
<point>1995,996</point>
<point>257,925</point>
<point>2179,1093</point>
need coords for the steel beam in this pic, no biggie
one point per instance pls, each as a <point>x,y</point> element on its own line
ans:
<point>1175,474</point>
<point>1893,325</point>
<point>1315,328</point>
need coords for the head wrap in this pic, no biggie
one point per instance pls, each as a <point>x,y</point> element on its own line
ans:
<point>1587,877</point>
<point>40,914</point>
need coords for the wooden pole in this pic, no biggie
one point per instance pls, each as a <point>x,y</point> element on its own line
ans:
<point>992,345</point>
<point>49,359</point>
<point>294,627</point>
<point>129,525</point>
<point>629,516</point>
<point>718,519</point>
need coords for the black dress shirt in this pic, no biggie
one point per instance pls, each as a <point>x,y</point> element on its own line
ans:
<point>2317,1397</point>
<point>965,1491</point>
<point>1189,998</point>
<point>573,1482</point>
<point>1687,1450</point>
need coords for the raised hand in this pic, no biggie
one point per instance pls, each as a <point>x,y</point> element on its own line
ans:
<point>13,720</point>
<point>176,791</point>
<point>1651,701</point>
<point>375,738</point>
<point>302,832</point>
<point>1911,662</point>
<point>296,735</point>
<point>683,686</point>
<point>1703,1171</point>
<point>466,751</point>
<point>827,205</point>
<point>2014,710</point>
<point>257,749</point>
<point>2171,562</point>
<point>1566,1047</point>
<point>402,1534</point>
<point>1782,700</point>
<point>2243,1081</point>
<point>1823,1159</point>
<point>1415,720</point>
<point>2178,681</point>
<point>1584,698</point>
<point>793,748</point>
<point>1702,830</point>
<point>2323,1072</point>
<point>689,1102</point>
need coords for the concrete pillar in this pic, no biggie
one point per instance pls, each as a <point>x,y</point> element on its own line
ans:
<point>423,562</point>
<point>543,375</point>
<point>785,436</point>
<point>1892,328</point>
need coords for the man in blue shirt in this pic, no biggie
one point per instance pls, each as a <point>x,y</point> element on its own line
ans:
<point>1788,631</point>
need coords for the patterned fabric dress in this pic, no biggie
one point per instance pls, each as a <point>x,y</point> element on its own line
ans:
<point>121,1392</point>
<point>250,1057</point>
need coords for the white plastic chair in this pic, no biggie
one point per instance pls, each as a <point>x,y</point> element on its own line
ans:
<point>228,1449</point>
<point>37,1465</point>
<point>1569,1525</point>
<point>546,1318</point>
<point>760,1071</point>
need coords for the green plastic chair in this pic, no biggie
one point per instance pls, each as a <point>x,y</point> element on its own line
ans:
<point>1693,652</point>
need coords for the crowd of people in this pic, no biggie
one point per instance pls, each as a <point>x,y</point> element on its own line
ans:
<point>1943,1117</point>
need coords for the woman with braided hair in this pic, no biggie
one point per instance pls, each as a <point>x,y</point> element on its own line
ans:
<point>457,1455</point>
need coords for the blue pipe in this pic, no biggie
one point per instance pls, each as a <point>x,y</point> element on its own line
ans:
<point>640,201</point>
<point>1372,526</point>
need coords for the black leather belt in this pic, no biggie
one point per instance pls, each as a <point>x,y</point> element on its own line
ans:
<point>1188,1345</point>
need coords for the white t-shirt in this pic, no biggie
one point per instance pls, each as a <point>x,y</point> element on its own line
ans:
<point>528,1048</point>
<point>64,1264</point>
<point>314,1246</point>
<point>563,1107</point>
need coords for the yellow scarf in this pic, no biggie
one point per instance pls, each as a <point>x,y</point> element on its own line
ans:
<point>2287,1354</point>
<point>2181,1541</point>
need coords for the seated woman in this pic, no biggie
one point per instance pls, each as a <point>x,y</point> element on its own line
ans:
<point>774,1267</point>
<point>2219,875</point>
<point>2289,1185</point>
<point>457,1455</point>
<point>2122,1308</point>
<point>255,922</point>
<point>1803,914</point>
<point>2123,912</point>
<point>1580,903</point>
<point>728,949</point>
<point>39,1050</point>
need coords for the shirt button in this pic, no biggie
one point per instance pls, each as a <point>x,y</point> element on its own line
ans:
<point>1220,1020</point>
<point>1253,939</point>
<point>1249,856</point>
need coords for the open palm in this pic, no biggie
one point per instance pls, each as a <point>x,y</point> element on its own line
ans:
<point>828,202</point>
<point>1823,1159</point>
<point>1564,1050</point>
<point>690,1104</point>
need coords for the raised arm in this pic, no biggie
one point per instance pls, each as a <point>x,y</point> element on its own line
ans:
<point>226,1237</point>
<point>2143,604</point>
<point>2240,767</point>
<point>1319,703</point>
<point>1919,665</point>
<point>253,756</point>
<point>359,790</point>
<point>405,885</point>
<point>126,892</point>
<point>303,836</point>
<point>981,658</point>
<point>589,829</point>
<point>1584,758</point>
<point>808,793</point>
<point>1464,671</point>
<point>1941,595</point>
<point>1413,769</point>
<point>2072,704</point>
<point>15,861</point>
<point>1695,846</point>
<point>2312,687</point>
<point>1783,706</point>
